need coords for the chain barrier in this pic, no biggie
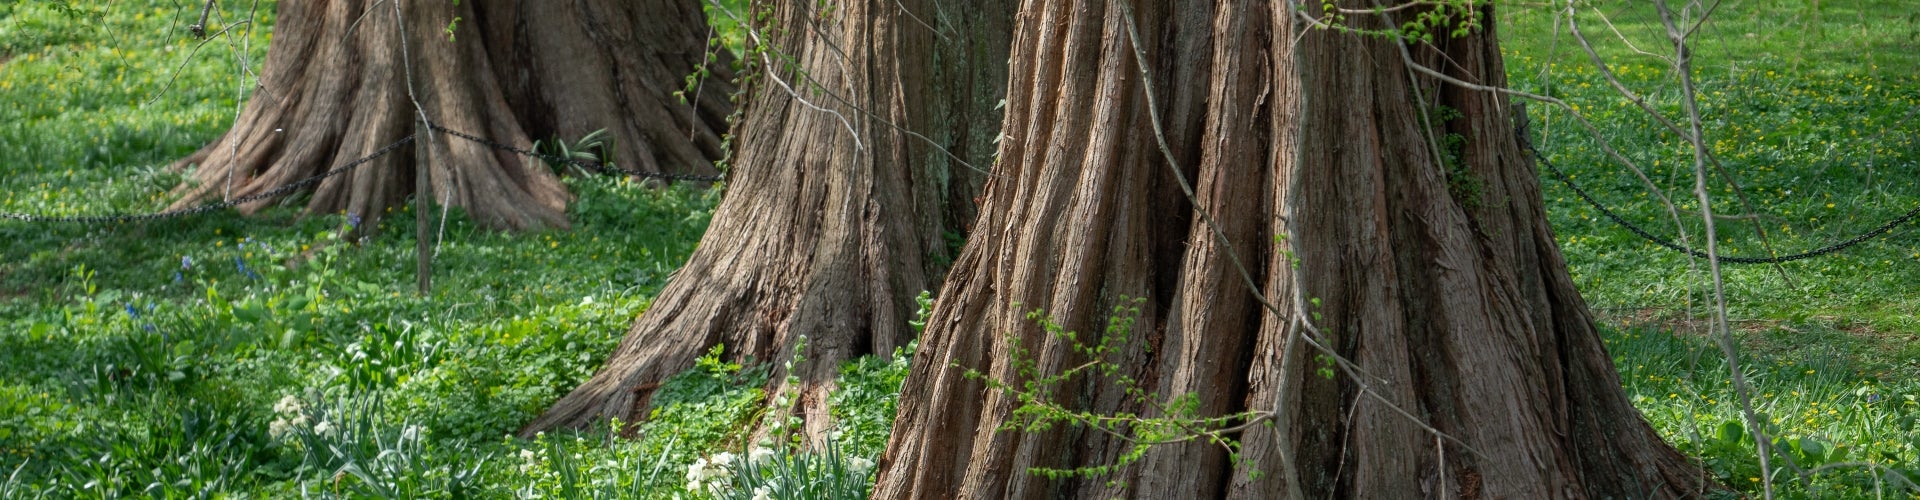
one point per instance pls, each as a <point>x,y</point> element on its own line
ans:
<point>1521,131</point>
<point>209,207</point>
<point>594,167</point>
<point>383,151</point>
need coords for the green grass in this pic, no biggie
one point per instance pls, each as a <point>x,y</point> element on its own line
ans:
<point>126,370</point>
<point>154,358</point>
<point>1813,115</point>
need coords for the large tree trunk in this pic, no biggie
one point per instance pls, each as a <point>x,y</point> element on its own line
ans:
<point>836,214</point>
<point>335,87</point>
<point>1434,272</point>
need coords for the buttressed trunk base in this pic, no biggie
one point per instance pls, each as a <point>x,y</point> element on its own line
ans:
<point>837,212</point>
<point>341,80</point>
<point>1480,372</point>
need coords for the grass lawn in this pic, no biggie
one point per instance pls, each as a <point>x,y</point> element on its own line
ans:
<point>197,357</point>
<point>1813,113</point>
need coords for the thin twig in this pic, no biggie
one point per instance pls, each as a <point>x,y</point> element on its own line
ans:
<point>1146,80</point>
<point>1383,10</point>
<point>1683,65</point>
<point>1613,80</point>
<point>424,192</point>
<point>183,64</point>
<point>755,34</point>
<point>1622,36</point>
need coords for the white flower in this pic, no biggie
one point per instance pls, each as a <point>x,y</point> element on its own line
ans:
<point>708,474</point>
<point>780,400</point>
<point>696,472</point>
<point>762,493</point>
<point>859,464</point>
<point>299,421</point>
<point>529,460</point>
<point>278,428</point>
<point>723,459</point>
<point>287,405</point>
<point>760,455</point>
<point>325,427</point>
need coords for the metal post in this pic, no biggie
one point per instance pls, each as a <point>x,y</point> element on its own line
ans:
<point>423,205</point>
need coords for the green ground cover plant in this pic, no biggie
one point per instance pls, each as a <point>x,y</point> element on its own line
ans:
<point>271,357</point>
<point>1810,107</point>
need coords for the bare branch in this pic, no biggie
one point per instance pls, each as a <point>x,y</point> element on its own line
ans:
<point>1617,33</point>
<point>1300,314</point>
<point>1613,80</point>
<point>1683,64</point>
<point>200,29</point>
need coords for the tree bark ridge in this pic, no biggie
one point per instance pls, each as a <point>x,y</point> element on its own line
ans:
<point>836,215</point>
<point>1430,266</point>
<point>335,87</point>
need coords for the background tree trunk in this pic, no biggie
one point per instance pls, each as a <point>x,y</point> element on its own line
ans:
<point>1433,269</point>
<point>334,88</point>
<point>841,198</point>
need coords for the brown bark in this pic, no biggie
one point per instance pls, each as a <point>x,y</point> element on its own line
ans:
<point>335,87</point>
<point>1448,294</point>
<point>834,217</point>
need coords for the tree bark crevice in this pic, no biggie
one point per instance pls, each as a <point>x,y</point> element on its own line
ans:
<point>838,210</point>
<point>1434,271</point>
<point>335,87</point>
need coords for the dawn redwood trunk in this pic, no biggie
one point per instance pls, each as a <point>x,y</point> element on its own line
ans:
<point>335,87</point>
<point>1432,268</point>
<point>855,165</point>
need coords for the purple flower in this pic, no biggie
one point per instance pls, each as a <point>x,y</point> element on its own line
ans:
<point>353,220</point>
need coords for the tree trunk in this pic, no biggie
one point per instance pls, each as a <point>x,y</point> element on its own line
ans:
<point>1431,267</point>
<point>837,212</point>
<point>335,87</point>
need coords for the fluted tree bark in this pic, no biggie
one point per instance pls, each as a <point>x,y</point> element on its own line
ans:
<point>1322,180</point>
<point>340,81</point>
<point>855,164</point>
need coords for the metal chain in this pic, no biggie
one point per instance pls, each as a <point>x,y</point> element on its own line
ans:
<point>596,167</point>
<point>183,212</point>
<point>1521,132</point>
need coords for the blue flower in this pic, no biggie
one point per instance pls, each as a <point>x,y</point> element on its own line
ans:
<point>241,265</point>
<point>177,278</point>
<point>131,311</point>
<point>186,262</point>
<point>353,220</point>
